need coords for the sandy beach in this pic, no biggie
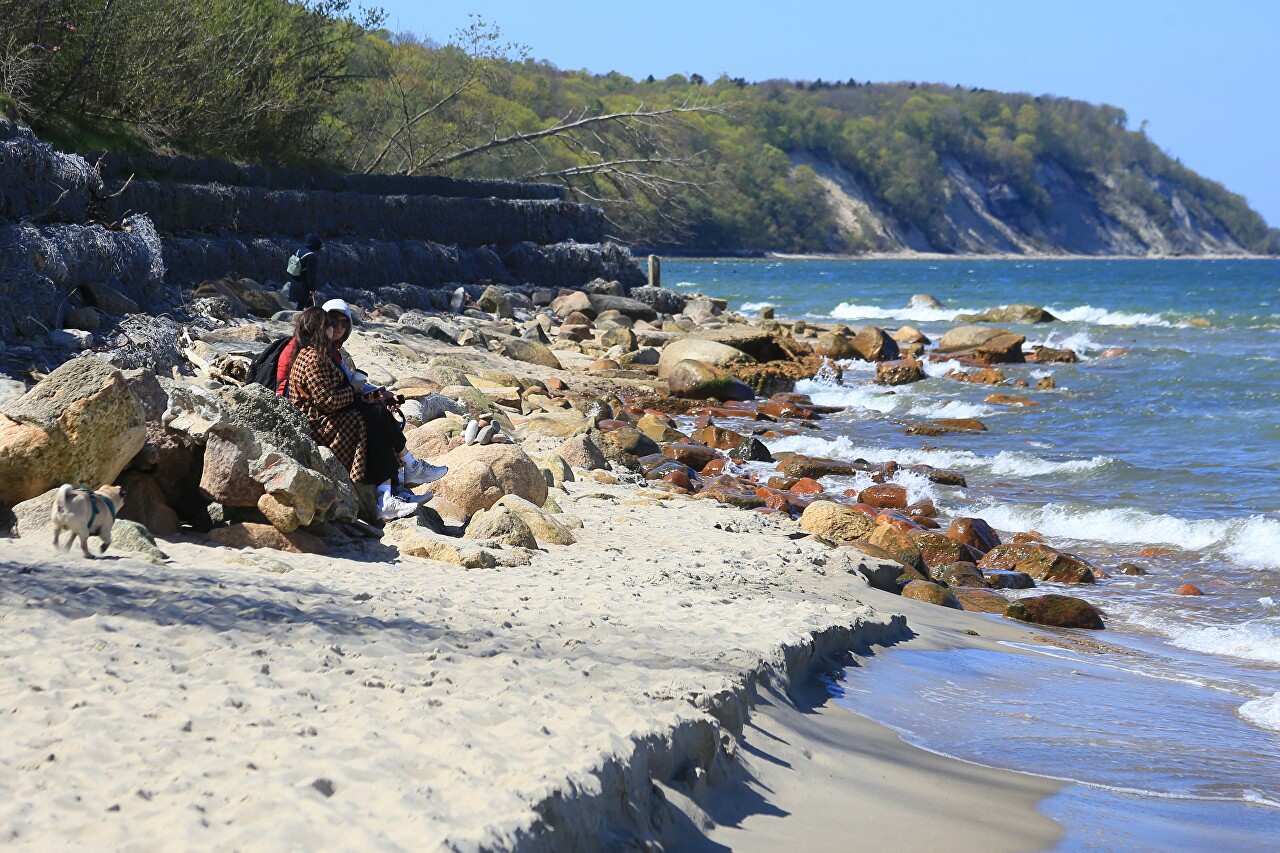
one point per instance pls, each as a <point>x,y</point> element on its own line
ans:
<point>649,685</point>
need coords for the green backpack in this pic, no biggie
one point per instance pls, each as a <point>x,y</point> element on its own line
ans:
<point>294,268</point>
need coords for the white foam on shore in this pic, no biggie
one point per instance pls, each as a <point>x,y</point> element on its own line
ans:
<point>1250,542</point>
<point>1263,712</point>
<point>1008,463</point>
<point>1104,317</point>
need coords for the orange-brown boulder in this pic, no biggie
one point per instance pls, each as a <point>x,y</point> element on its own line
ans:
<point>886,496</point>
<point>975,533</point>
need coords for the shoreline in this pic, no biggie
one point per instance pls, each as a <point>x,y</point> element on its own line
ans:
<point>933,256</point>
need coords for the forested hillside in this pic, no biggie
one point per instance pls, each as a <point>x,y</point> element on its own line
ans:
<point>722,165</point>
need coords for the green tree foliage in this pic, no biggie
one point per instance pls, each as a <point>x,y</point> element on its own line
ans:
<point>680,161</point>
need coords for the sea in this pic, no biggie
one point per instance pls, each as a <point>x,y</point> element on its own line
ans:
<point>1160,447</point>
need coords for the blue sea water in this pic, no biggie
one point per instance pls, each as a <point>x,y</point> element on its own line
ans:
<point>1164,436</point>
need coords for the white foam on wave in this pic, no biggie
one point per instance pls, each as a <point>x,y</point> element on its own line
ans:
<point>918,486</point>
<point>1104,317</point>
<point>937,369</point>
<point>1263,712</point>
<point>1007,463</point>
<point>1080,343</point>
<point>1247,542</point>
<point>756,306</point>
<point>956,409</point>
<point>859,397</point>
<point>918,314</point>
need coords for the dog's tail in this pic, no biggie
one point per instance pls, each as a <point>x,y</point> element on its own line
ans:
<point>60,500</point>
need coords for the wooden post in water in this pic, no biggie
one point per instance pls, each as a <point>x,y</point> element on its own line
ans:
<point>655,271</point>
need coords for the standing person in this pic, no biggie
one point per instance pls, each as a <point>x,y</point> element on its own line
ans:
<point>304,272</point>
<point>319,387</point>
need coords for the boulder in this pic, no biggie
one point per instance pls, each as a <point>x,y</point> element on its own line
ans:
<point>1019,313</point>
<point>1005,579</point>
<point>530,352</point>
<point>975,533</point>
<point>910,335</point>
<point>874,344</point>
<point>884,496</point>
<point>696,456</point>
<point>708,352</point>
<point>835,346</point>
<point>902,371</point>
<point>479,475</point>
<point>836,521</point>
<point>696,380</point>
<point>545,528</point>
<point>80,425</point>
<point>658,430</point>
<point>660,299</point>
<point>815,467</point>
<point>937,550</point>
<point>147,504</point>
<point>1059,611</point>
<point>1009,400</point>
<point>980,600</point>
<point>897,543</point>
<point>494,301</point>
<point>580,451</point>
<point>499,524</point>
<point>573,301</point>
<point>1040,561</point>
<point>923,300</point>
<point>931,593</point>
<point>250,535</point>
<point>983,344</point>
<point>632,308</point>
<point>960,573</point>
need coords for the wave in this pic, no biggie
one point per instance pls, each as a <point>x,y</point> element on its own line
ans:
<point>1263,712</point>
<point>1251,542</point>
<point>1007,463</point>
<point>1104,317</point>
<point>756,306</point>
<point>914,314</point>
<point>1080,342</point>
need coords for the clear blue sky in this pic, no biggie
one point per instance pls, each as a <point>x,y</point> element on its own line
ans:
<point>1204,75</point>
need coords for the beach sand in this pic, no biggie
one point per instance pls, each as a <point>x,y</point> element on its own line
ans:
<point>599,698</point>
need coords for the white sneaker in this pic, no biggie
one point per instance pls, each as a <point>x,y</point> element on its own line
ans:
<point>409,497</point>
<point>391,507</point>
<point>419,472</point>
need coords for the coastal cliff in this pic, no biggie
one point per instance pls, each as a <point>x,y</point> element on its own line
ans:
<point>1072,217</point>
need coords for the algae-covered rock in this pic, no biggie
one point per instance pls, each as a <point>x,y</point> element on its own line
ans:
<point>1059,611</point>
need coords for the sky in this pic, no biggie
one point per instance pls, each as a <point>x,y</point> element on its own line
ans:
<point>1205,76</point>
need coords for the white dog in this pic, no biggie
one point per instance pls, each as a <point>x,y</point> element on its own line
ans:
<point>84,513</point>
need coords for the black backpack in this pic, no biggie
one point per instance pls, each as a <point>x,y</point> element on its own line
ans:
<point>263,369</point>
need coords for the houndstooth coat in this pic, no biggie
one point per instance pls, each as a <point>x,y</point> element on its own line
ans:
<point>318,387</point>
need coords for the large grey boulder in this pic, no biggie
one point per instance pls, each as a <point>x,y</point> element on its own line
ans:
<point>708,352</point>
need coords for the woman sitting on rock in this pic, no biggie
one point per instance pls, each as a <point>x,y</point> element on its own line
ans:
<point>356,427</point>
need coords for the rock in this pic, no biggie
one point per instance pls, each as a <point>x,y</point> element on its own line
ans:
<point>1008,400</point>
<point>80,425</point>
<point>1040,562</point>
<point>979,600</point>
<point>580,451</point>
<point>414,541</point>
<point>975,533</point>
<point>696,456</point>
<point>494,301</point>
<point>836,521</point>
<point>1188,589</point>
<point>697,380</point>
<point>983,344</point>
<point>660,299</point>
<point>132,537</point>
<point>718,437</point>
<point>86,319</point>
<point>882,574</point>
<point>910,335</point>
<point>250,535</point>
<point>147,504</point>
<point>900,372</point>
<point>629,441</point>
<point>947,426</point>
<point>960,573</point>
<point>562,424</point>
<point>571,302</point>
<point>632,308</point>
<point>708,352</point>
<point>1005,579</point>
<point>1045,355</point>
<point>835,346</point>
<point>874,344</point>
<point>225,476</point>
<point>609,288</point>
<point>937,550</point>
<point>897,543</point>
<point>931,593</point>
<point>545,528</point>
<point>619,337</point>
<point>1059,611</point>
<point>530,352</point>
<point>479,475</point>
<point>500,524</point>
<point>813,466</point>
<point>751,450</point>
<point>885,496</point>
<point>1131,569</point>
<point>1019,314</point>
<point>658,430</point>
<point>923,300</point>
